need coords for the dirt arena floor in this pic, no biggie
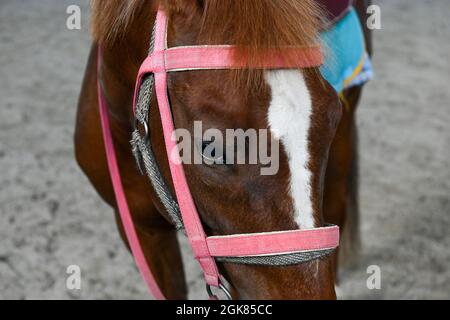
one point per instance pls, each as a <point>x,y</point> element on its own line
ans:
<point>51,218</point>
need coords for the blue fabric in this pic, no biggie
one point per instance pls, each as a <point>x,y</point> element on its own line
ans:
<point>346,61</point>
<point>365,75</point>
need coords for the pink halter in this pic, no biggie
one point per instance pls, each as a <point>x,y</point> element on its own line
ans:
<point>161,61</point>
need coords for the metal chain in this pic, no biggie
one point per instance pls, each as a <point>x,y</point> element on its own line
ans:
<point>281,260</point>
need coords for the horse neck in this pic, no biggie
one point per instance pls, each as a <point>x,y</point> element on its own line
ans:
<point>120,64</point>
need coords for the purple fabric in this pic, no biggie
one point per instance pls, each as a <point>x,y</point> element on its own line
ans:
<point>335,8</point>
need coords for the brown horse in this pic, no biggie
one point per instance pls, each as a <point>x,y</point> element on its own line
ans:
<point>316,180</point>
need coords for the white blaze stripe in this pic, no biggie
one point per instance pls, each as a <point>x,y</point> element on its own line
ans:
<point>289,118</point>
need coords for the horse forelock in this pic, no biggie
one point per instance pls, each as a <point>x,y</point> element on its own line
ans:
<point>110,19</point>
<point>253,24</point>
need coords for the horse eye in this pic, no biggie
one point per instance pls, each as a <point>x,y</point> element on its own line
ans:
<point>213,153</point>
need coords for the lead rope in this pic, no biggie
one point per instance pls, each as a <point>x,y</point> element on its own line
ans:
<point>121,200</point>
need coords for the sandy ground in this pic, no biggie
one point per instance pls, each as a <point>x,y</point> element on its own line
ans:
<point>50,217</point>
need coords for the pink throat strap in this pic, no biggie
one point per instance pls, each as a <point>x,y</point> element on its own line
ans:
<point>160,62</point>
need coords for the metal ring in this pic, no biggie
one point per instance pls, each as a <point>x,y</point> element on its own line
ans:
<point>221,287</point>
<point>146,135</point>
<point>146,131</point>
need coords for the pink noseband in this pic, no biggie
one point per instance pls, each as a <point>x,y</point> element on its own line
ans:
<point>205,249</point>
